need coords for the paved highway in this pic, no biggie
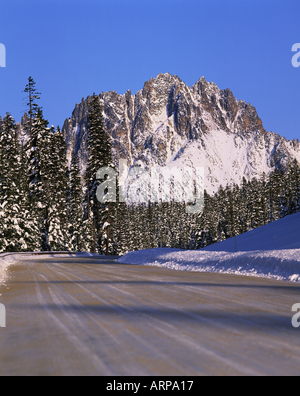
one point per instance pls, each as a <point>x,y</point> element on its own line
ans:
<point>91,316</point>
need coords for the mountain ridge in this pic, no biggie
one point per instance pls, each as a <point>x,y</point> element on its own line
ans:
<point>170,124</point>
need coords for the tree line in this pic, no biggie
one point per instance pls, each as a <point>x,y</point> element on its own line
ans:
<point>47,205</point>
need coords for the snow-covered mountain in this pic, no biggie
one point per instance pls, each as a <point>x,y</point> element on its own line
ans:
<point>168,123</point>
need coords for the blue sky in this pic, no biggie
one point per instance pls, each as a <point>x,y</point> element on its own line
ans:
<point>73,48</point>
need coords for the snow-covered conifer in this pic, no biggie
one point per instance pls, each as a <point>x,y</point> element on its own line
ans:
<point>75,210</point>
<point>99,155</point>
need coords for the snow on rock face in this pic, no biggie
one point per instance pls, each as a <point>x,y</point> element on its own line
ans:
<point>167,122</point>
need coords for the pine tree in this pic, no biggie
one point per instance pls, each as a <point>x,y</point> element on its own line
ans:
<point>130,221</point>
<point>138,226</point>
<point>88,232</point>
<point>230,215</point>
<point>245,222</point>
<point>119,229</point>
<point>57,193</point>
<point>292,188</point>
<point>118,232</point>
<point>33,95</point>
<point>264,203</point>
<point>75,210</point>
<point>254,203</point>
<point>209,227</point>
<point>37,129</point>
<point>39,173</point>
<point>17,230</point>
<point>30,230</point>
<point>295,204</point>
<point>150,237</point>
<point>275,194</point>
<point>220,214</point>
<point>99,149</point>
<point>9,185</point>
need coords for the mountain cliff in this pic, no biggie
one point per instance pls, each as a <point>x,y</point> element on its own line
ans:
<point>170,124</point>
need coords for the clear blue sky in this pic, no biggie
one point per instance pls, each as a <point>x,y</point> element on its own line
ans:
<point>73,48</point>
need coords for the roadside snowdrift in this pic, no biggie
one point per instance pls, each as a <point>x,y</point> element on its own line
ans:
<point>271,251</point>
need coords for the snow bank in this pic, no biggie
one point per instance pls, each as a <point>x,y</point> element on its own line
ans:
<point>5,261</point>
<point>271,251</point>
<point>276,264</point>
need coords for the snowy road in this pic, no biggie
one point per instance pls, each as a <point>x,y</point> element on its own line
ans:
<point>87,316</point>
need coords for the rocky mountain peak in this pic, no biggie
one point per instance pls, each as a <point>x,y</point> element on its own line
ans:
<point>168,123</point>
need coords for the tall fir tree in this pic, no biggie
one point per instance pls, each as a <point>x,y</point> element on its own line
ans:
<point>292,188</point>
<point>32,97</point>
<point>275,194</point>
<point>17,229</point>
<point>99,156</point>
<point>10,193</point>
<point>39,171</point>
<point>57,193</point>
<point>245,221</point>
<point>75,210</point>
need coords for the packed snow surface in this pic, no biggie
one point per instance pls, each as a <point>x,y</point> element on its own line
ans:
<point>7,259</point>
<point>271,251</point>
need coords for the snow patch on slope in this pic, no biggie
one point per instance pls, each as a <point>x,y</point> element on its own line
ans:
<point>225,155</point>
